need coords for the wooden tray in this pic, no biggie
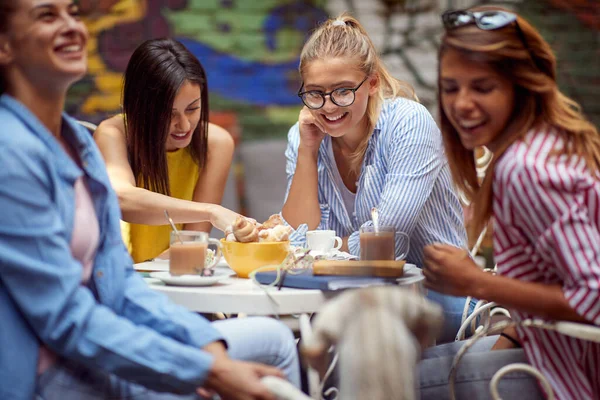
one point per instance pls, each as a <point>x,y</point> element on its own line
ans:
<point>381,268</point>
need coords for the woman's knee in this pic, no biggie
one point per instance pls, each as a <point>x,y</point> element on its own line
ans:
<point>453,308</point>
<point>276,331</point>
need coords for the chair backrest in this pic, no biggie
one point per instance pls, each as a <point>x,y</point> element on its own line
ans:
<point>572,329</point>
<point>90,126</point>
<point>369,326</point>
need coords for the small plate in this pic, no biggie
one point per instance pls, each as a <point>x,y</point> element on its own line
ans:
<point>190,280</point>
<point>156,265</point>
<point>162,265</point>
<point>332,255</point>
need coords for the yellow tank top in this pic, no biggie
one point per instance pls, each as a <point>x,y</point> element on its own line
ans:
<point>148,241</point>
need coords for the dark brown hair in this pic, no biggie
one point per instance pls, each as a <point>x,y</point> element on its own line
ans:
<point>529,63</point>
<point>154,74</point>
<point>7,7</point>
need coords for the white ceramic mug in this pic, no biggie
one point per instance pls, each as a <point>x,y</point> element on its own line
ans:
<point>324,241</point>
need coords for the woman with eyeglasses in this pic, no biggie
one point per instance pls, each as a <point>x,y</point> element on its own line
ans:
<point>162,153</point>
<point>497,88</point>
<point>363,141</point>
<point>77,322</point>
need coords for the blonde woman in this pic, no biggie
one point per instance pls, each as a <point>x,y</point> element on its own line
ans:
<point>498,89</point>
<point>363,141</point>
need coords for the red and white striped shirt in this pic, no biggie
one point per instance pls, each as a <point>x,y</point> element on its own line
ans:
<point>547,230</point>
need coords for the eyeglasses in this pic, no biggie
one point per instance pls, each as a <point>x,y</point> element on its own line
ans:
<point>342,97</point>
<point>487,21</point>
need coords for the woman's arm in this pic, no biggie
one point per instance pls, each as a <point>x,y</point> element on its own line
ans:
<point>546,301</point>
<point>450,270</point>
<point>63,313</point>
<point>143,206</point>
<point>302,201</point>
<point>213,178</point>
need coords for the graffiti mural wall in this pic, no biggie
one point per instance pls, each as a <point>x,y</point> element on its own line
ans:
<point>250,48</point>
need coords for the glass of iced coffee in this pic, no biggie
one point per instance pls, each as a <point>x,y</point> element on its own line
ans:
<point>381,245</point>
<point>187,254</point>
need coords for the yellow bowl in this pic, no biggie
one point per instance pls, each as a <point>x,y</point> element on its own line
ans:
<point>244,258</point>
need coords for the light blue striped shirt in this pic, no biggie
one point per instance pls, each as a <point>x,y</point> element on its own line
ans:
<point>405,174</point>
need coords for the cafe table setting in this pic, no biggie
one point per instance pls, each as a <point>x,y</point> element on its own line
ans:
<point>264,274</point>
<point>299,292</point>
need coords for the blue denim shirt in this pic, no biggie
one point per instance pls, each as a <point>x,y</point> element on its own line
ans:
<point>115,323</point>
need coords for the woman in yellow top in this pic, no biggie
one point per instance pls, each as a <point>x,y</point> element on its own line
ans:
<point>162,153</point>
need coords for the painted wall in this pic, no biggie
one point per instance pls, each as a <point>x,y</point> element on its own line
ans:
<point>250,49</point>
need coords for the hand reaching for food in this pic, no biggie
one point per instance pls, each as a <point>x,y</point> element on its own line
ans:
<point>247,230</point>
<point>244,230</point>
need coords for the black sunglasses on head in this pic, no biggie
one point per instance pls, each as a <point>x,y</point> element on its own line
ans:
<point>487,21</point>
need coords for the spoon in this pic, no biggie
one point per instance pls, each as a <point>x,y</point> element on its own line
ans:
<point>173,226</point>
<point>375,218</point>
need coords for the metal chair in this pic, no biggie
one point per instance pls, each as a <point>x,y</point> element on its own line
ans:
<point>90,126</point>
<point>576,330</point>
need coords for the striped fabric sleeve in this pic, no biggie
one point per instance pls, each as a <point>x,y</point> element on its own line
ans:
<point>553,209</point>
<point>298,235</point>
<point>414,161</point>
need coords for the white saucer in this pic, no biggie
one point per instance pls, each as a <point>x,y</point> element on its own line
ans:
<point>155,265</point>
<point>190,280</point>
<point>332,254</point>
<point>162,265</point>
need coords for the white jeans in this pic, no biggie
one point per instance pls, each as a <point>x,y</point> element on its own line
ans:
<point>257,339</point>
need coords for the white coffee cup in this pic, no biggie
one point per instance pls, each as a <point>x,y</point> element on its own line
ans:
<point>324,241</point>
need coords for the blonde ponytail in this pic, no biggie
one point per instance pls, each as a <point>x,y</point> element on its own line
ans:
<point>345,37</point>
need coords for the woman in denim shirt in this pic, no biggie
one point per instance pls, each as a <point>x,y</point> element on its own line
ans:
<point>77,321</point>
<point>363,141</point>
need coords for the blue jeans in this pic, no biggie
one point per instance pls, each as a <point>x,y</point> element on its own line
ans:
<point>453,308</point>
<point>257,339</point>
<point>474,373</point>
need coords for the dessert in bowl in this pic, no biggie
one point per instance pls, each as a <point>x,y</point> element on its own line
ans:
<point>249,245</point>
<point>244,258</point>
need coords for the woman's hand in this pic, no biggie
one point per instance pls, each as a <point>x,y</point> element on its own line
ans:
<point>450,270</point>
<point>312,130</point>
<point>221,217</point>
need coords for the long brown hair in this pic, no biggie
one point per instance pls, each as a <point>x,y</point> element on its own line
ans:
<point>345,37</point>
<point>528,62</point>
<point>154,74</point>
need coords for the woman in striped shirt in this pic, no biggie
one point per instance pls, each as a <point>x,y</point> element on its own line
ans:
<point>363,141</point>
<point>498,89</point>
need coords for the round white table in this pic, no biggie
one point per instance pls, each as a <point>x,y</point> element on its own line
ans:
<point>236,295</point>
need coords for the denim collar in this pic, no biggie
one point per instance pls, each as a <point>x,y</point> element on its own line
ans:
<point>75,134</point>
